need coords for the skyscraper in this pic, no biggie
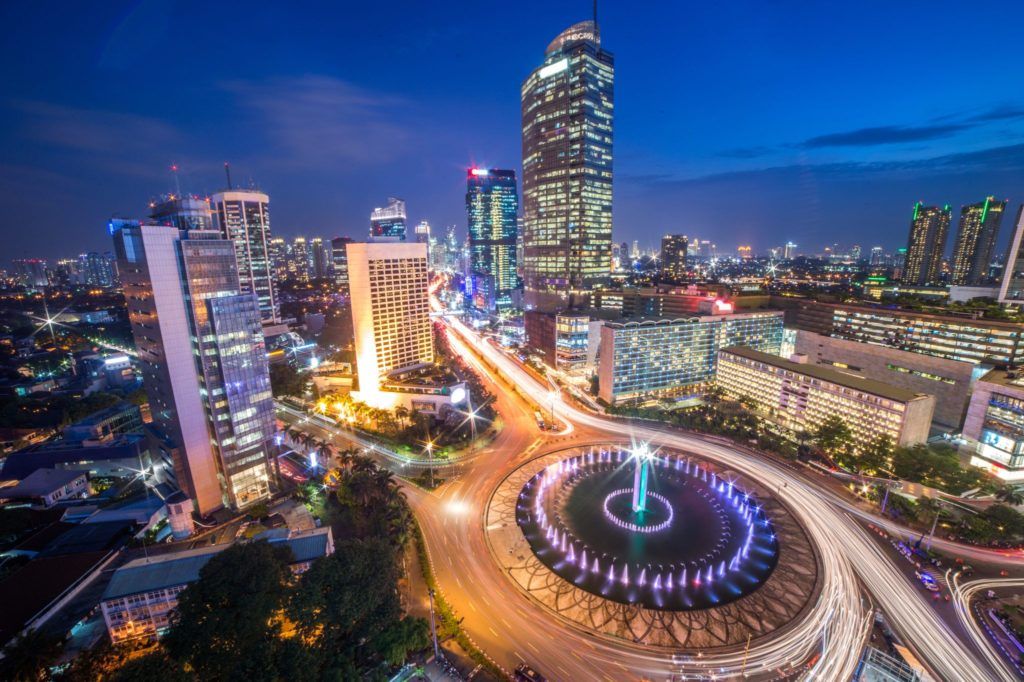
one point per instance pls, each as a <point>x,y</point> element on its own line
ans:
<point>789,250</point>
<point>97,269</point>
<point>388,223</point>
<point>203,360</point>
<point>299,260</point>
<point>1012,289</point>
<point>567,113</point>
<point>492,205</point>
<point>673,256</point>
<point>975,240</point>
<point>926,244</point>
<point>278,250</point>
<point>183,212</point>
<point>243,216</point>
<point>320,256</point>
<point>339,262</point>
<point>390,312</point>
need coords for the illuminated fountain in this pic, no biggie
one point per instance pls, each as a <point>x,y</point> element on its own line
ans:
<point>679,537</point>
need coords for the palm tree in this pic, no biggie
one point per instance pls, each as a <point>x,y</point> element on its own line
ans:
<point>1010,495</point>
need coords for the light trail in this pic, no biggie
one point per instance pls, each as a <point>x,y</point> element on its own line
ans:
<point>839,622</point>
<point>962,595</point>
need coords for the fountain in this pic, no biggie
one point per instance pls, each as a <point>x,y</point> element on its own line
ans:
<point>673,532</point>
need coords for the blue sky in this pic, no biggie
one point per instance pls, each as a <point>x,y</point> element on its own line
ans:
<point>740,122</point>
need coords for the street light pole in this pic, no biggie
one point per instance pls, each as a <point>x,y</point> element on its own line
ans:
<point>433,626</point>
<point>934,523</point>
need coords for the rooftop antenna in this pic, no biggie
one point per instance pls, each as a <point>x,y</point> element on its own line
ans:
<point>595,16</point>
<point>227,171</point>
<point>177,182</point>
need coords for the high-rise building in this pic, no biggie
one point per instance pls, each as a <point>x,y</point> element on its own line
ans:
<point>789,250</point>
<point>975,240</point>
<point>877,257</point>
<point>339,262</point>
<point>744,252</point>
<point>97,269</point>
<point>451,249</point>
<point>390,312</point>
<point>320,257</point>
<point>1012,288</point>
<point>183,212</point>
<point>926,244</point>
<point>567,113</point>
<point>203,359</point>
<point>278,250</point>
<point>492,206</point>
<point>30,272</point>
<point>422,231</point>
<point>299,260</point>
<point>387,223</point>
<point>243,216</point>
<point>673,256</point>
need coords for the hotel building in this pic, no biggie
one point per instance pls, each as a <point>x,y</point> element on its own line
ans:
<point>675,357</point>
<point>387,223</point>
<point>203,360</point>
<point>567,114</point>
<point>390,312</point>
<point>994,427</point>
<point>243,217</point>
<point>799,397</point>
<point>926,244</point>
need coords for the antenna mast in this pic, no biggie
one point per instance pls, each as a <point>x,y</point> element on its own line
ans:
<point>227,171</point>
<point>177,182</point>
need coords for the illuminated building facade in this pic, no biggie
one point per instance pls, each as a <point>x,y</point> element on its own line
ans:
<point>320,259</point>
<point>299,260</point>
<point>278,249</point>
<point>673,256</point>
<point>676,357</point>
<point>975,241</point>
<point>1012,288</point>
<point>994,427</point>
<point>390,312</point>
<point>183,212</point>
<point>203,359</point>
<point>798,397</point>
<point>744,252</point>
<point>339,262</point>
<point>97,269</point>
<point>926,244</point>
<point>243,216</point>
<point>567,114</point>
<point>387,223</point>
<point>492,207</point>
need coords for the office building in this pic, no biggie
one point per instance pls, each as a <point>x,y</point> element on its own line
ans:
<point>994,427</point>
<point>926,244</point>
<point>141,597</point>
<point>1011,289</point>
<point>655,358</point>
<point>673,257</point>
<point>944,336</point>
<point>789,251</point>
<point>566,341</point>
<point>299,260</point>
<point>492,206</point>
<point>278,249</point>
<point>422,232</point>
<point>975,241</point>
<point>320,257</point>
<point>949,381</point>
<point>243,216</point>
<point>567,114</point>
<point>203,360</point>
<point>339,262</point>
<point>30,272</point>
<point>799,397</point>
<point>182,212</point>
<point>390,312</point>
<point>387,223</point>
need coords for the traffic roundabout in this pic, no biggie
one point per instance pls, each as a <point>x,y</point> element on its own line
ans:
<point>659,548</point>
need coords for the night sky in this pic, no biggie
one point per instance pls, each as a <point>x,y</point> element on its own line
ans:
<point>740,122</point>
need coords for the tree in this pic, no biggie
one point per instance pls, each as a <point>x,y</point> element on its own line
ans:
<point>226,624</point>
<point>874,457</point>
<point>833,436</point>
<point>408,634</point>
<point>154,666</point>
<point>28,657</point>
<point>345,603</point>
<point>1010,495</point>
<point>286,380</point>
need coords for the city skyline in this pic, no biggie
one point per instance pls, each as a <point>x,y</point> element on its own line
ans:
<point>102,139</point>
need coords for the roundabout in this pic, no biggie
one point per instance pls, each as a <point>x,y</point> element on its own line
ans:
<point>662,548</point>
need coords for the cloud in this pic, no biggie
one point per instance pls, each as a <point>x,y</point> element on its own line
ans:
<point>1004,112</point>
<point>311,120</point>
<point>748,152</point>
<point>882,135</point>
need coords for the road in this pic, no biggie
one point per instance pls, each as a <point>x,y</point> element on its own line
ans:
<point>503,622</point>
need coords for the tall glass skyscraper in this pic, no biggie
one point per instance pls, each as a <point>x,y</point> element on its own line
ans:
<point>204,361</point>
<point>567,108</point>
<point>975,240</point>
<point>492,207</point>
<point>183,212</point>
<point>243,216</point>
<point>926,244</point>
<point>387,223</point>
